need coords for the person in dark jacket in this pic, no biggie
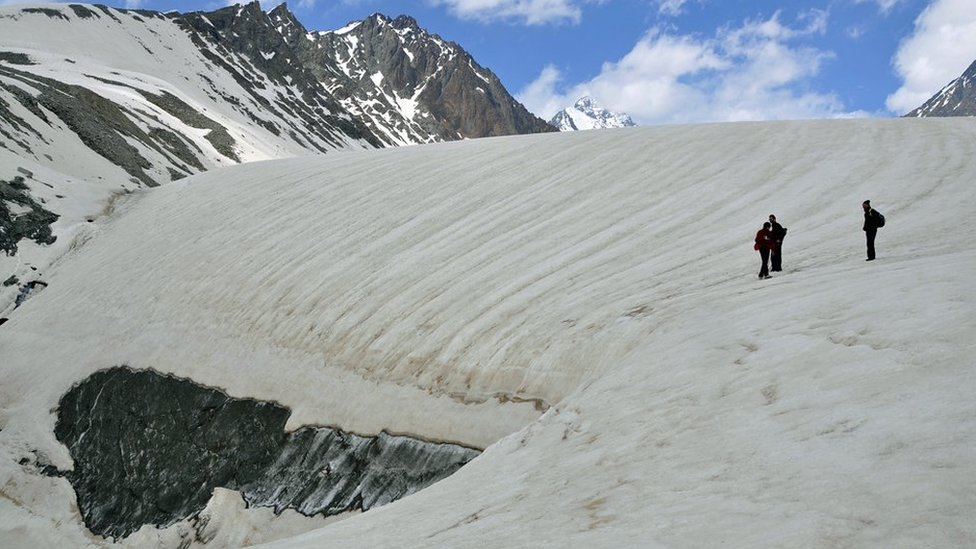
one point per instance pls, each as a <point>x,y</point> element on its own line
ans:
<point>872,220</point>
<point>764,242</point>
<point>776,252</point>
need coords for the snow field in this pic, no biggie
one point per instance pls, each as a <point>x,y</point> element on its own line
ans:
<point>85,52</point>
<point>608,277</point>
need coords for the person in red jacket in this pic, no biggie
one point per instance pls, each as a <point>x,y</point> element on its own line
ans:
<point>764,243</point>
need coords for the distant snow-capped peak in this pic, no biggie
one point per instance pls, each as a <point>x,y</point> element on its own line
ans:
<point>586,114</point>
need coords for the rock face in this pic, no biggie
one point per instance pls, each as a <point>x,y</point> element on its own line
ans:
<point>267,57</point>
<point>958,98</point>
<point>150,449</point>
<point>586,114</point>
<point>324,471</point>
<point>21,217</point>
<point>405,81</point>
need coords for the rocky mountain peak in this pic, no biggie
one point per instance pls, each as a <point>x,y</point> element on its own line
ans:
<point>958,98</point>
<point>415,83</point>
<point>377,19</point>
<point>405,22</point>
<point>587,114</point>
<point>282,15</point>
<point>250,10</point>
<point>586,103</point>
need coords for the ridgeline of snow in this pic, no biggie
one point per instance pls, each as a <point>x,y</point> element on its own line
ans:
<point>586,114</point>
<point>607,277</point>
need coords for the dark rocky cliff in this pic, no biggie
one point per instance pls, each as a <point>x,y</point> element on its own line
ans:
<point>150,449</point>
<point>958,98</point>
<point>267,43</point>
<point>373,71</point>
<point>463,99</point>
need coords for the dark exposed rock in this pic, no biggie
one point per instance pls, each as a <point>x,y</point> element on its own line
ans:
<point>33,224</point>
<point>15,58</point>
<point>107,11</point>
<point>30,103</point>
<point>217,136</point>
<point>245,35</point>
<point>150,448</point>
<point>50,12</point>
<point>460,98</point>
<point>175,175</point>
<point>82,11</point>
<point>15,122</point>
<point>97,121</point>
<point>40,463</point>
<point>325,471</point>
<point>177,146</point>
<point>151,451</point>
<point>27,290</point>
<point>957,98</point>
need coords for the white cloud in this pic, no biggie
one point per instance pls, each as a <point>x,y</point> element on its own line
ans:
<point>941,47</point>
<point>531,12</point>
<point>749,72</point>
<point>134,4</point>
<point>854,31</point>
<point>883,5</point>
<point>671,7</point>
<point>542,95</point>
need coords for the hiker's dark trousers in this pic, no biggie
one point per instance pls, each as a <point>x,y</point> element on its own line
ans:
<point>776,258</point>
<point>764,253</point>
<point>870,234</point>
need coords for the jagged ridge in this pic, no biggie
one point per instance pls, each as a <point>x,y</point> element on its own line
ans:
<point>406,82</point>
<point>957,98</point>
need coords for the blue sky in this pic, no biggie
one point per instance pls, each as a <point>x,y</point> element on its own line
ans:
<point>668,61</point>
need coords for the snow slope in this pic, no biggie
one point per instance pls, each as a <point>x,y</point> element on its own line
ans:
<point>157,82</point>
<point>605,277</point>
<point>98,101</point>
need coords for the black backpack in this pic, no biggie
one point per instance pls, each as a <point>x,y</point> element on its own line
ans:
<point>880,218</point>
